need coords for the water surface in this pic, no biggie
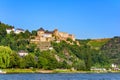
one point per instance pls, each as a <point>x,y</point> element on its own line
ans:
<point>61,76</point>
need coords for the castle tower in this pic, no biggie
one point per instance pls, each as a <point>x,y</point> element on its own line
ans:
<point>55,32</point>
<point>40,32</point>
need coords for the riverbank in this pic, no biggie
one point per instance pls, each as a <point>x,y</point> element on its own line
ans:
<point>26,71</point>
<point>10,71</point>
<point>39,71</point>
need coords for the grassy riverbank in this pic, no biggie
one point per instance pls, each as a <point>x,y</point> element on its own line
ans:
<point>50,71</point>
<point>18,70</point>
<point>38,71</point>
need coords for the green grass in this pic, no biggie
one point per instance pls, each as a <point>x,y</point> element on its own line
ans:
<point>18,70</point>
<point>49,71</point>
<point>98,43</point>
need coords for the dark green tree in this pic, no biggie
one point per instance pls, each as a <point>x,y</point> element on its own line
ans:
<point>87,57</point>
<point>30,61</point>
<point>42,63</point>
<point>14,60</point>
<point>34,33</point>
<point>5,53</point>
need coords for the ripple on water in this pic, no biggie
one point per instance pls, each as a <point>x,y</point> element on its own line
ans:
<point>61,76</point>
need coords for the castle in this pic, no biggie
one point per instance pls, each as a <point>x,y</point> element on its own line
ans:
<point>47,36</point>
<point>44,37</point>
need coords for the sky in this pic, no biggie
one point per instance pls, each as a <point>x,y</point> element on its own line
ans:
<point>86,19</point>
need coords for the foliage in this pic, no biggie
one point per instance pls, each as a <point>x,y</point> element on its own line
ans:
<point>49,59</point>
<point>97,43</point>
<point>5,56</point>
<point>30,61</point>
<point>14,60</point>
<point>112,50</point>
<point>42,62</point>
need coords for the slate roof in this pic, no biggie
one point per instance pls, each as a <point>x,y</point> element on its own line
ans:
<point>41,29</point>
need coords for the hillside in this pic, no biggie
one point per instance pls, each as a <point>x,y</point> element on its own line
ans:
<point>97,43</point>
<point>112,50</point>
<point>61,56</point>
<point>94,43</point>
<point>64,54</point>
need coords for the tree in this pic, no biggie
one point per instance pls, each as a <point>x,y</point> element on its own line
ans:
<point>14,60</point>
<point>22,63</point>
<point>42,62</point>
<point>69,39</point>
<point>64,65</point>
<point>5,56</point>
<point>31,47</point>
<point>30,61</point>
<point>27,34</point>
<point>52,62</point>
<point>3,31</point>
<point>34,33</point>
<point>79,65</point>
<point>37,52</point>
<point>87,57</point>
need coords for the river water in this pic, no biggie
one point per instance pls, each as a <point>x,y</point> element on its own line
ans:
<point>61,76</point>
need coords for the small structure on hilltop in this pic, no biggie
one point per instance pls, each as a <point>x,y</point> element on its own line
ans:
<point>17,31</point>
<point>8,30</point>
<point>22,53</point>
<point>44,38</point>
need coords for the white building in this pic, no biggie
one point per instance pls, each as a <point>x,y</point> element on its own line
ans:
<point>17,31</point>
<point>22,53</point>
<point>113,65</point>
<point>47,35</point>
<point>8,30</point>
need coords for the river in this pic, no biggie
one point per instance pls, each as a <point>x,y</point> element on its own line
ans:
<point>62,76</point>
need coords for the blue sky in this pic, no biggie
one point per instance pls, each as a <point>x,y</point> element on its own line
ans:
<point>83,18</point>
